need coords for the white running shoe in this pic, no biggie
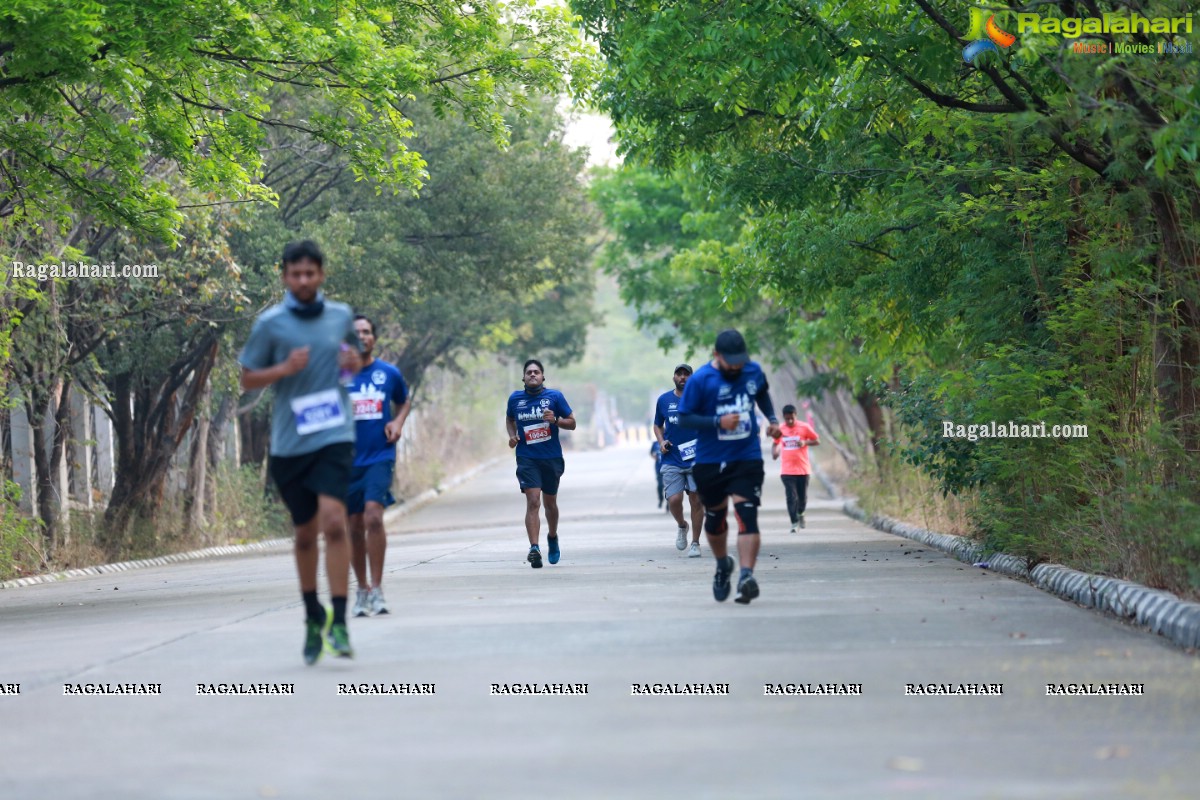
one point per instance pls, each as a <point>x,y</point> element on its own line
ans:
<point>694,550</point>
<point>361,604</point>
<point>681,538</point>
<point>376,602</point>
<point>793,530</point>
<point>801,520</point>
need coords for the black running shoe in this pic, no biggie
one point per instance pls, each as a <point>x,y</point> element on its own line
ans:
<point>535,558</point>
<point>747,590</point>
<point>721,585</point>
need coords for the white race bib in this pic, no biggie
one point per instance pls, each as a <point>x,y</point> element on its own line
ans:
<point>791,443</point>
<point>537,433</point>
<point>318,411</point>
<point>687,450</point>
<point>740,432</point>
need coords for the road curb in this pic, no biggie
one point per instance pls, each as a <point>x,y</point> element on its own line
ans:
<point>1159,611</point>
<point>233,549</point>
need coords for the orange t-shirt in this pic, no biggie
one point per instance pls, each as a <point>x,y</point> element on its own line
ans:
<point>795,454</point>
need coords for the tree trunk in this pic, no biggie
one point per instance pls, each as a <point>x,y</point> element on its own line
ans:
<point>197,476</point>
<point>150,423</point>
<point>1177,334</point>
<point>874,414</point>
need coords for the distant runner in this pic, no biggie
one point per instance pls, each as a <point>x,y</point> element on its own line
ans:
<point>718,401</point>
<point>795,439</point>
<point>678,457</point>
<point>298,347</point>
<point>374,391</point>
<point>535,415</point>
<point>656,454</point>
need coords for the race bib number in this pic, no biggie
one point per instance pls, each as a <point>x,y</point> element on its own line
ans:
<point>537,433</point>
<point>791,443</point>
<point>318,411</point>
<point>687,450</point>
<point>368,408</point>
<point>740,432</point>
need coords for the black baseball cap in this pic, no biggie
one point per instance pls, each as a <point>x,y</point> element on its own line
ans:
<point>732,347</point>
<point>684,368</point>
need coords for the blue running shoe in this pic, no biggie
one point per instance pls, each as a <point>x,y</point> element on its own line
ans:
<point>535,557</point>
<point>747,590</point>
<point>721,585</point>
<point>553,553</point>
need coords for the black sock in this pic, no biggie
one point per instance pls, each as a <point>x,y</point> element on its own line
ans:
<point>312,607</point>
<point>339,610</point>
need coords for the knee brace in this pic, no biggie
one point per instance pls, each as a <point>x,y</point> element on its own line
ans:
<point>714,521</point>
<point>747,514</point>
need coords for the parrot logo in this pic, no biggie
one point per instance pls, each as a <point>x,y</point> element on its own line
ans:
<point>985,35</point>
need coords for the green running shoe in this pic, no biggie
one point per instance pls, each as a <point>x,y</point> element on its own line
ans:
<point>337,641</point>
<point>313,630</point>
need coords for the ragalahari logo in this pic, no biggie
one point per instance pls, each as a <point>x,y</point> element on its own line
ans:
<point>985,35</point>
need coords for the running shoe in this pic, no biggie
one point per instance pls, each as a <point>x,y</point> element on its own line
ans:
<point>681,538</point>
<point>694,550</point>
<point>337,640</point>
<point>552,553</point>
<point>801,520</point>
<point>375,601</point>
<point>794,526</point>
<point>535,557</point>
<point>313,635</point>
<point>721,579</point>
<point>362,603</point>
<point>747,590</point>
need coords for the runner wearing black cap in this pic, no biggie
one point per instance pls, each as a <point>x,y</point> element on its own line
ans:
<point>718,401</point>
<point>678,457</point>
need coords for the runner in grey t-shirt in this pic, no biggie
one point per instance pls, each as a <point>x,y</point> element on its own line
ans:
<point>299,347</point>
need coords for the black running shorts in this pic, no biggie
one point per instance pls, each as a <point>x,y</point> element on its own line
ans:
<point>301,478</point>
<point>717,482</point>
<point>540,473</point>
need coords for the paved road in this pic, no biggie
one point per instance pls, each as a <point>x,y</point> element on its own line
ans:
<point>841,604</point>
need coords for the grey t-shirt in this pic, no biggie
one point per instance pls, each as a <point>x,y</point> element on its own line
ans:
<point>312,408</point>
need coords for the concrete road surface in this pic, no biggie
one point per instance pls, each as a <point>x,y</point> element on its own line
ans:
<point>841,604</point>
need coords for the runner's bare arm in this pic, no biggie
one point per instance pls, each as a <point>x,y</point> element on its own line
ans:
<point>511,425</point>
<point>394,428</point>
<point>662,439</point>
<point>566,423</point>
<point>261,378</point>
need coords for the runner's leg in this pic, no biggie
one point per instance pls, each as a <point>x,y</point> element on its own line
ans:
<point>358,549</point>
<point>533,502</point>
<point>550,501</point>
<point>331,516</point>
<point>801,494</point>
<point>376,541</point>
<point>748,543</point>
<point>697,509</point>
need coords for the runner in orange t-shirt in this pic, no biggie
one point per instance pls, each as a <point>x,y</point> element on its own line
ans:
<point>794,443</point>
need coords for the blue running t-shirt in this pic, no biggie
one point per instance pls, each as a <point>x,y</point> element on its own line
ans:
<point>372,392</point>
<point>683,440</point>
<point>708,393</point>
<point>537,438</point>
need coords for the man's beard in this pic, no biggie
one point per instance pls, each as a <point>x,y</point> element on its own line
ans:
<point>730,375</point>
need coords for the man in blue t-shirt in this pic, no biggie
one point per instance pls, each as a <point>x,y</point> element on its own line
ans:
<point>534,416</point>
<point>718,402</point>
<point>374,391</point>
<point>678,458</point>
